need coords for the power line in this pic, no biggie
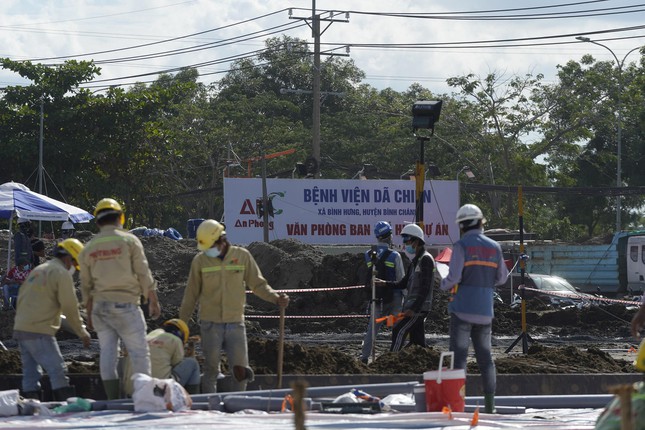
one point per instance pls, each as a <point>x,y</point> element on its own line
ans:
<point>159,42</point>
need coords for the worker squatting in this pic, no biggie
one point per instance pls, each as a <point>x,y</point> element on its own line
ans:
<point>328,229</point>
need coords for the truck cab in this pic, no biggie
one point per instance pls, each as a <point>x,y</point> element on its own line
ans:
<point>635,269</point>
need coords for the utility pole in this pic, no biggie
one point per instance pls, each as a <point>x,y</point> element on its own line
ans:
<point>315,145</point>
<point>314,23</point>
<point>40,156</point>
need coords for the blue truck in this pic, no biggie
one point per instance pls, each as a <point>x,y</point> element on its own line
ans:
<point>611,269</point>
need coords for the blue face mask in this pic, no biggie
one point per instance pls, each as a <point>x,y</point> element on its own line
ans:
<point>212,252</point>
<point>410,249</point>
<point>26,267</point>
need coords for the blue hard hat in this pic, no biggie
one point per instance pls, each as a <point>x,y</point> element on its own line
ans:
<point>382,229</point>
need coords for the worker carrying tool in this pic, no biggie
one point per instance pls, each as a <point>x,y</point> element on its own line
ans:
<point>418,282</point>
<point>384,300</point>
<point>168,358</point>
<point>46,294</point>
<point>218,278</point>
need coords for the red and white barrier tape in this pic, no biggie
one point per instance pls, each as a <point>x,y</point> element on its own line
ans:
<point>316,290</point>
<point>579,297</point>
<point>307,316</point>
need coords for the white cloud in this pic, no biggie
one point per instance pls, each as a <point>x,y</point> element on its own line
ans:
<point>37,29</point>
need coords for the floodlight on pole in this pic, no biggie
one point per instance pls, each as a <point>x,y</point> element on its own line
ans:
<point>425,114</point>
<point>619,120</point>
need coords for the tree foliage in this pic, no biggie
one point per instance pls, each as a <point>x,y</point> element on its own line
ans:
<point>163,149</point>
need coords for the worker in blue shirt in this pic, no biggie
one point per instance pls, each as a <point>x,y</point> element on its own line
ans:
<point>476,267</point>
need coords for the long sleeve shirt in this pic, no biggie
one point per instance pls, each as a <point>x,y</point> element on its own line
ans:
<point>219,286</point>
<point>114,268</point>
<point>47,293</point>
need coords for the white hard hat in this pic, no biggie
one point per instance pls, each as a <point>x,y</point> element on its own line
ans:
<point>469,212</point>
<point>414,231</point>
<point>67,226</point>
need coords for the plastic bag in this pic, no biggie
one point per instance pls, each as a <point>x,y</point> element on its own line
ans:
<point>78,405</point>
<point>9,403</point>
<point>156,395</point>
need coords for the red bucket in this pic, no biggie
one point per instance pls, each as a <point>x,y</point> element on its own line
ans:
<point>445,387</point>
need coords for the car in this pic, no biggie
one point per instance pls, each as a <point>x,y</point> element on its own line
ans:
<point>554,290</point>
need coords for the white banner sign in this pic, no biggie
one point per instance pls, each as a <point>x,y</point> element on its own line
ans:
<point>330,211</point>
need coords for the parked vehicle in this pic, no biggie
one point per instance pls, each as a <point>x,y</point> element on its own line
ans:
<point>617,268</point>
<point>562,292</point>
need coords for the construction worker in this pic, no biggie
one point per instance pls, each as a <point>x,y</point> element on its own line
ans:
<point>38,251</point>
<point>217,280</point>
<point>67,230</point>
<point>114,276</point>
<point>389,267</point>
<point>22,241</point>
<point>47,293</point>
<point>638,320</point>
<point>167,357</point>
<point>418,282</point>
<point>476,267</point>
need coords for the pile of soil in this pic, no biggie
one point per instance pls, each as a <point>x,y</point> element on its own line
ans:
<point>330,345</point>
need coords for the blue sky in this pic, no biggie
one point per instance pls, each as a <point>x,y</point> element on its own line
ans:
<point>48,30</point>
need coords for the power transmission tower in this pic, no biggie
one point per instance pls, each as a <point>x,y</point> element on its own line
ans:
<point>313,22</point>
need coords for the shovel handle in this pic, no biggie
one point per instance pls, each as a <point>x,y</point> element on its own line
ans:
<point>281,347</point>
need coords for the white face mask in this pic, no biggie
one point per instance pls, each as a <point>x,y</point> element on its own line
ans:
<point>212,252</point>
<point>71,270</point>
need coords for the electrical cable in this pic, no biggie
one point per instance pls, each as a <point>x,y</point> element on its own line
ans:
<point>481,11</point>
<point>173,39</point>
<point>553,15</point>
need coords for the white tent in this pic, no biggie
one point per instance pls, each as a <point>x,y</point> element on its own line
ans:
<point>18,200</point>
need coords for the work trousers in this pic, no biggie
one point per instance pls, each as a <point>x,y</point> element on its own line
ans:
<point>461,332</point>
<point>413,326</point>
<point>380,310</point>
<point>187,372</point>
<point>113,321</point>
<point>37,353</point>
<point>227,337</point>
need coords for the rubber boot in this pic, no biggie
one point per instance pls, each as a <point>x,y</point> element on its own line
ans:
<point>38,395</point>
<point>63,393</point>
<point>489,403</point>
<point>193,389</point>
<point>112,389</point>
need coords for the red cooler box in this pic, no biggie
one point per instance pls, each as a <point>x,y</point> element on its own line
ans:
<point>445,387</point>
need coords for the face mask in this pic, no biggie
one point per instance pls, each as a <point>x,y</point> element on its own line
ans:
<point>212,252</point>
<point>26,267</point>
<point>410,249</point>
<point>71,270</point>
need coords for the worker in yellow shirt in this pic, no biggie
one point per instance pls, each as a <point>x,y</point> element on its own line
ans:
<point>114,276</point>
<point>167,357</point>
<point>46,294</point>
<point>218,278</point>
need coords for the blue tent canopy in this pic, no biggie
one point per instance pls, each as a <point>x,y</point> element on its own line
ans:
<point>17,199</point>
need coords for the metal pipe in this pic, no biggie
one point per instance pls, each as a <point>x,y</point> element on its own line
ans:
<point>549,402</point>
<point>378,390</point>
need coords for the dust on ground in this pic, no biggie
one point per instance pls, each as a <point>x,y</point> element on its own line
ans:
<point>568,340</point>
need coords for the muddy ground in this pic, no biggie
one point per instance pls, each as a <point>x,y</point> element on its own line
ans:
<point>588,340</point>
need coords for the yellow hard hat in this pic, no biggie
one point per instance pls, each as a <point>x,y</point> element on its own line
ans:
<point>73,247</point>
<point>175,325</point>
<point>108,206</point>
<point>639,363</point>
<point>209,232</point>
